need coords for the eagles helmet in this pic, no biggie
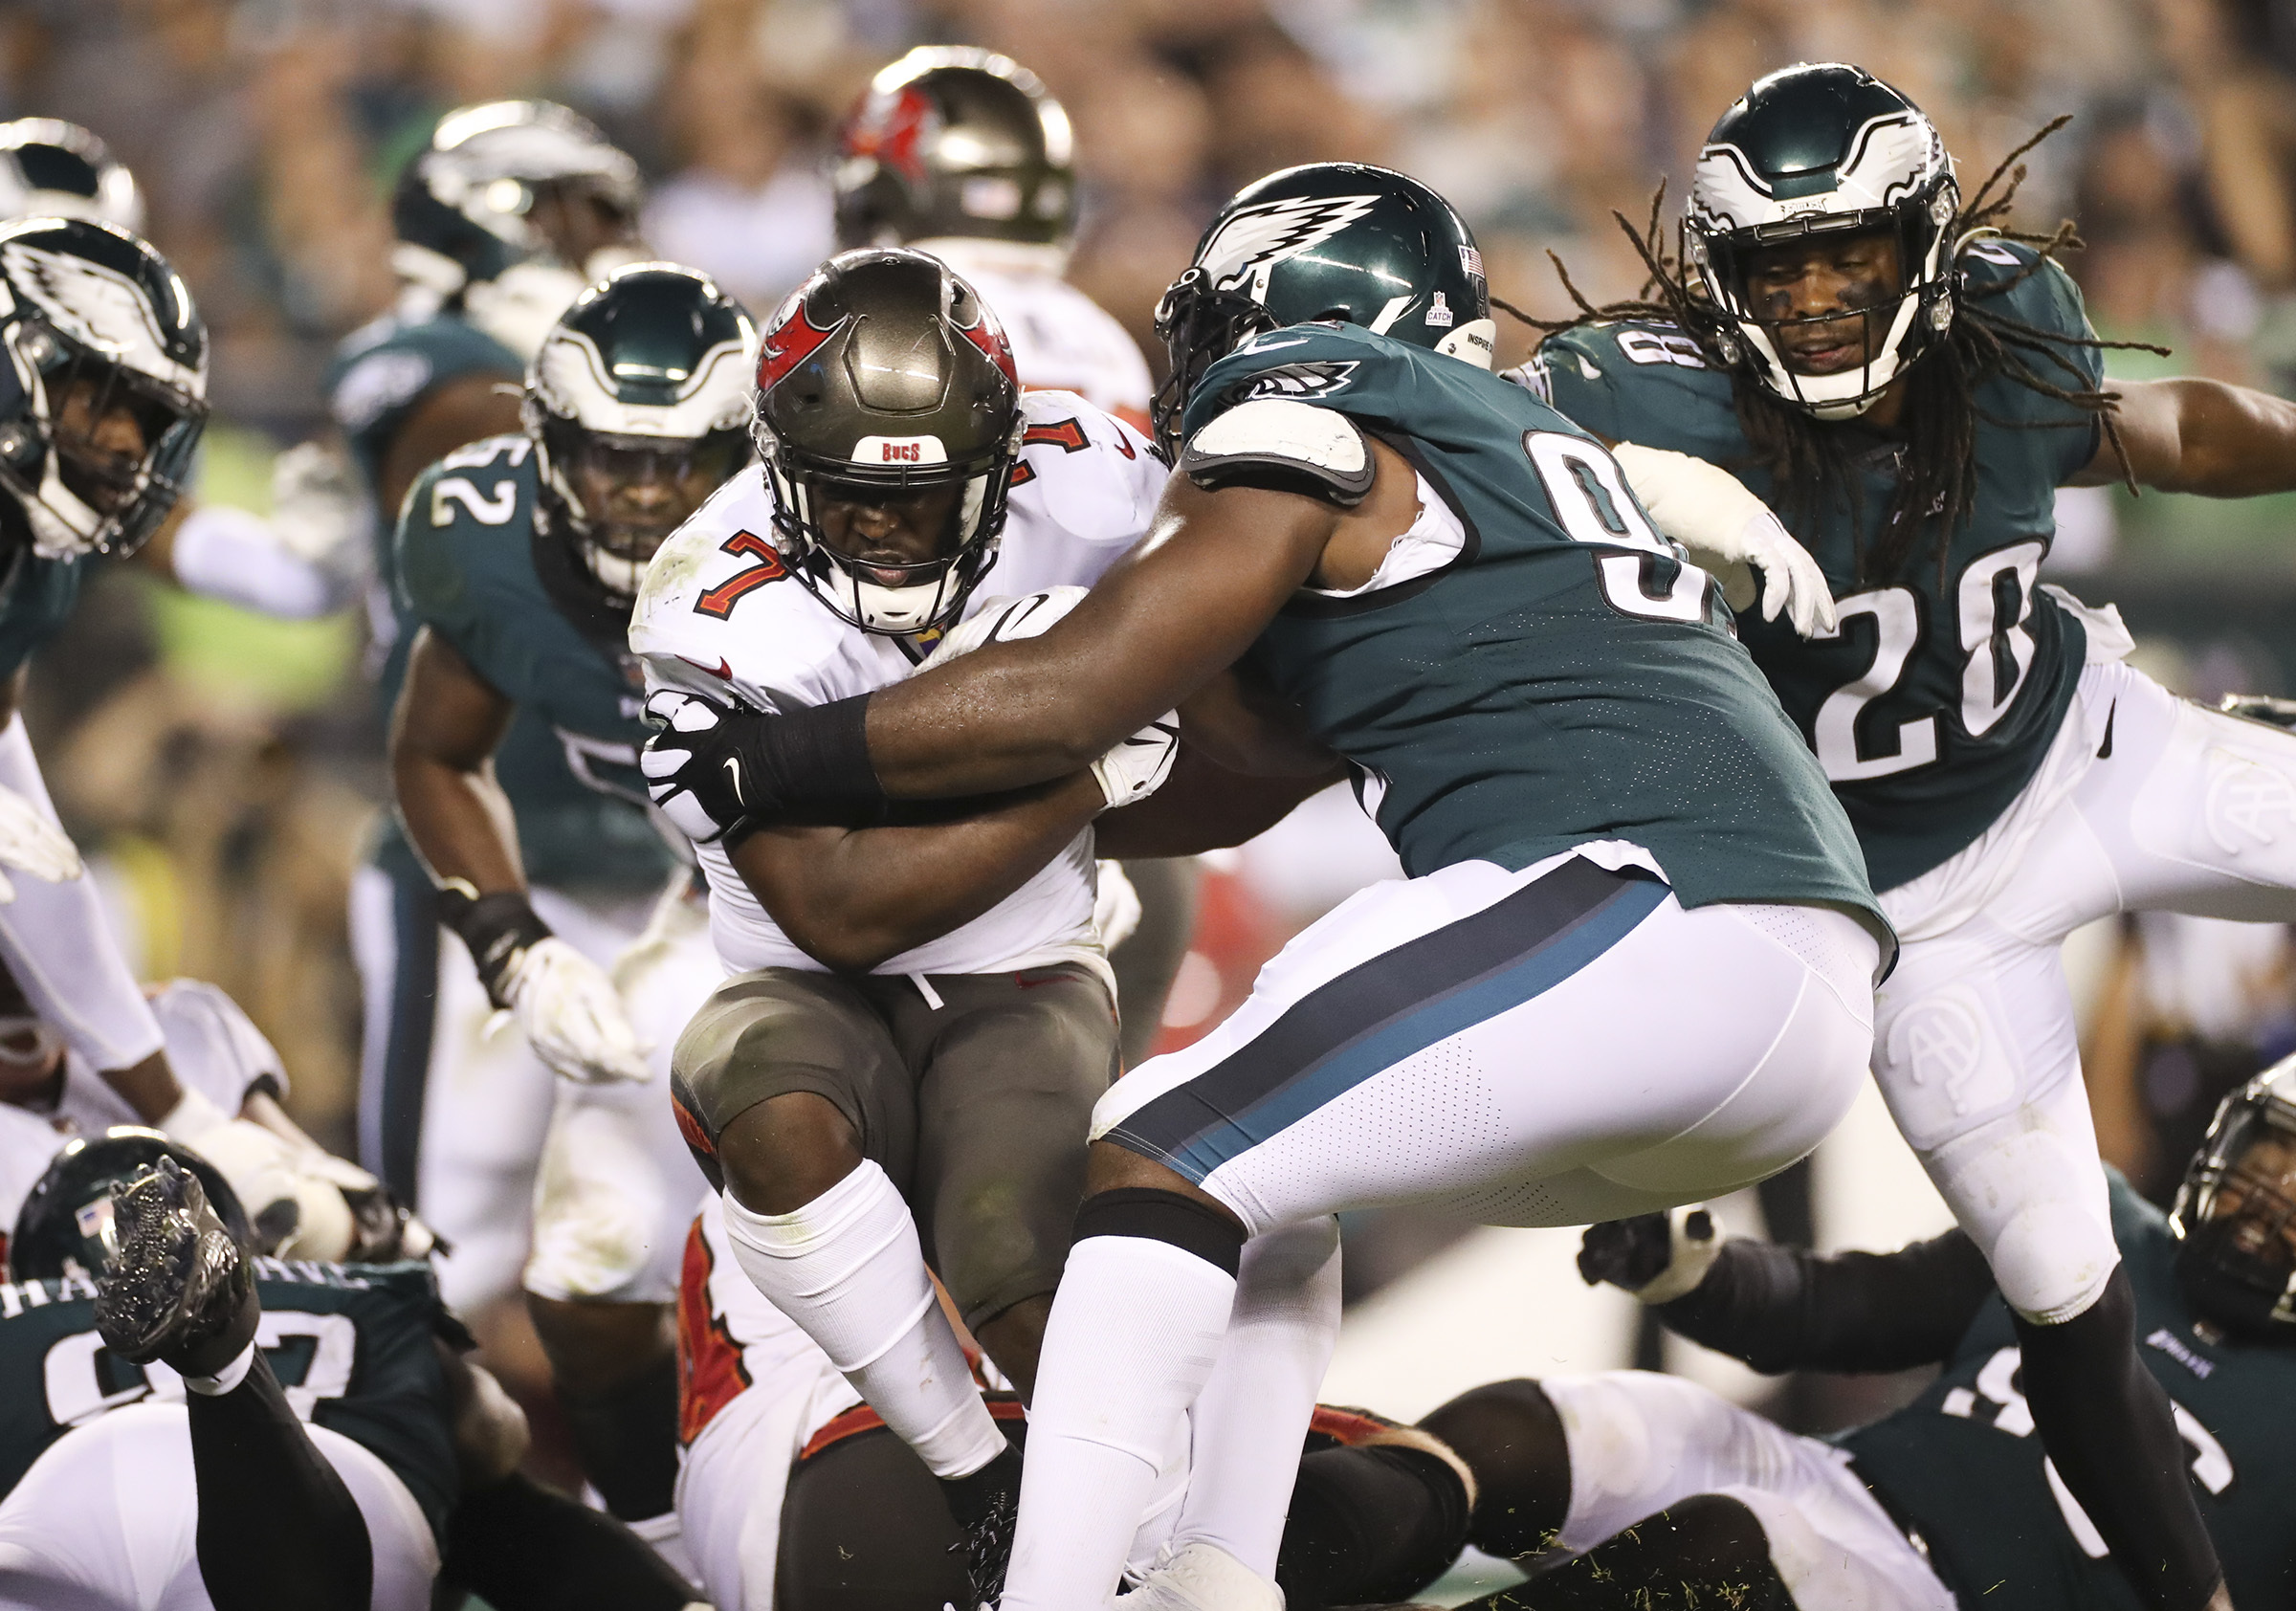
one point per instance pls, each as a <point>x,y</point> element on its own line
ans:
<point>2235,1214</point>
<point>639,406</point>
<point>103,394</point>
<point>1822,150</point>
<point>462,208</point>
<point>65,1226</point>
<point>951,141</point>
<point>885,379</point>
<point>1340,241</point>
<point>50,168</point>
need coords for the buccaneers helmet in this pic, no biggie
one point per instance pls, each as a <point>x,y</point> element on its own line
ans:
<point>954,141</point>
<point>97,332</point>
<point>885,379</point>
<point>1825,150</point>
<point>2235,1214</point>
<point>639,407</point>
<point>1340,241</point>
<point>50,168</point>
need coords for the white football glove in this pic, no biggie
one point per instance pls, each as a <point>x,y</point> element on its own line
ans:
<point>319,515</point>
<point>1136,768</point>
<point>572,1015</point>
<point>1726,529</point>
<point>296,1211</point>
<point>29,843</point>
<point>671,757</point>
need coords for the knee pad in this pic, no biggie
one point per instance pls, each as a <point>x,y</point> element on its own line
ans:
<point>2034,1202</point>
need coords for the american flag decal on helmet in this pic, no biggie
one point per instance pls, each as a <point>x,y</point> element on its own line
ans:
<point>1471,260</point>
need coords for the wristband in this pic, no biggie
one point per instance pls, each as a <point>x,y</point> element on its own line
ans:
<point>815,756</point>
<point>226,1379</point>
<point>498,928</point>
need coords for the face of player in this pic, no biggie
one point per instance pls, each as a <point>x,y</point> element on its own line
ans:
<point>2268,1230</point>
<point>1813,292</point>
<point>885,531</point>
<point>637,495</point>
<point>577,217</point>
<point>101,432</point>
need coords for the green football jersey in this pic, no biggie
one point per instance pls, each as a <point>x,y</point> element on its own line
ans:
<point>469,567</point>
<point>1964,1465</point>
<point>35,600</point>
<point>353,1344</point>
<point>1563,677</point>
<point>1930,707</point>
<point>381,374</point>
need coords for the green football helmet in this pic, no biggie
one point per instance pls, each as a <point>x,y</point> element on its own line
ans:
<point>1340,241</point>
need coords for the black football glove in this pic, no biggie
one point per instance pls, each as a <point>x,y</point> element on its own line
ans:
<point>1657,1257</point>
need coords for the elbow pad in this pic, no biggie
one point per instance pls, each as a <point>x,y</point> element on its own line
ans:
<point>1284,447</point>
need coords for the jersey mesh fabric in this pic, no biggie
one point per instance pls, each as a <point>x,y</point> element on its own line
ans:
<point>1569,678</point>
<point>1986,714</point>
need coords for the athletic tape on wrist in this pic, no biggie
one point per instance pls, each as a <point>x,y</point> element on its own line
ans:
<point>496,928</point>
<point>817,756</point>
<point>225,1380</point>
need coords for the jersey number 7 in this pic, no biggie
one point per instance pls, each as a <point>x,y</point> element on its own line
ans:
<point>719,601</point>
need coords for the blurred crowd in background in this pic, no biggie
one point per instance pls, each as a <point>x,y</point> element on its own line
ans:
<point>228,766</point>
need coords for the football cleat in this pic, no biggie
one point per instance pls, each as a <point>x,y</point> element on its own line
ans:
<point>1201,1576</point>
<point>179,1289</point>
<point>986,1505</point>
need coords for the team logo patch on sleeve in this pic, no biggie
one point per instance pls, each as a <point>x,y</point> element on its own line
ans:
<point>1309,378</point>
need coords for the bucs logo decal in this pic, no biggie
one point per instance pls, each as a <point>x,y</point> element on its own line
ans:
<point>793,339</point>
<point>894,129</point>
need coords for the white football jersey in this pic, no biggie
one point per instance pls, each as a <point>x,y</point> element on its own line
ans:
<point>719,614</point>
<point>214,1046</point>
<point>1062,340</point>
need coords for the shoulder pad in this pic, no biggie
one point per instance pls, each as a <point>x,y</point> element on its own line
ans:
<point>1284,446</point>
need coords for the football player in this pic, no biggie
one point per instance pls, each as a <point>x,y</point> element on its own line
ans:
<point>511,210</point>
<point>103,397</point>
<point>921,1016</point>
<point>302,560</point>
<point>1908,387</point>
<point>796,1495</point>
<point>518,560</point>
<point>1428,571</point>
<point>191,1427</point>
<point>960,152</point>
<point>1952,1501</point>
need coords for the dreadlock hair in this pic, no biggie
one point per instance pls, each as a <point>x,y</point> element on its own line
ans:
<point>1807,463</point>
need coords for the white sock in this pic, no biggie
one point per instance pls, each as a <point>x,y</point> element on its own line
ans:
<point>1135,1326</point>
<point>1254,1413</point>
<point>849,1270</point>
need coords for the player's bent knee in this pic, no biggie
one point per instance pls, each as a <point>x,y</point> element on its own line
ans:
<point>781,1154</point>
<point>1193,1224</point>
<point>2052,1262</point>
<point>1511,1438</point>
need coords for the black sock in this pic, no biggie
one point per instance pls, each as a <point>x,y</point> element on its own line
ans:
<point>627,1440</point>
<point>277,1525</point>
<point>521,1547</point>
<point>2111,1433</point>
<point>1707,1550</point>
<point>1369,1526</point>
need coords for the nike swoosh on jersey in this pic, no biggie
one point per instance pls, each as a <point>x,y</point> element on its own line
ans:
<point>720,671</point>
<point>733,768</point>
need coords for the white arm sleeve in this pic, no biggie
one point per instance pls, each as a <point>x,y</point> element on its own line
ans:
<point>55,939</point>
<point>234,556</point>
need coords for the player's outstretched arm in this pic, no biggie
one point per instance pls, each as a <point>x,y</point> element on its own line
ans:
<point>1781,1308</point>
<point>2194,435</point>
<point>443,736</point>
<point>854,897</point>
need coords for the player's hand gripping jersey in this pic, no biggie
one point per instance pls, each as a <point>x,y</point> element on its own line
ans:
<point>1532,667</point>
<point>1936,701</point>
<point>722,617</point>
<point>472,567</point>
